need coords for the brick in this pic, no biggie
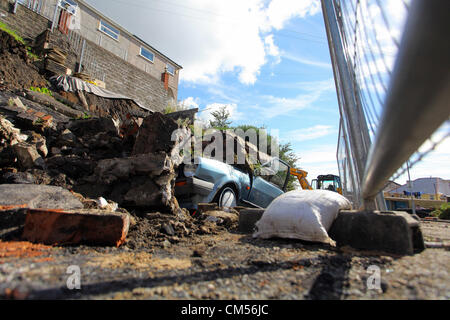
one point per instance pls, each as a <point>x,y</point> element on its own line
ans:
<point>57,227</point>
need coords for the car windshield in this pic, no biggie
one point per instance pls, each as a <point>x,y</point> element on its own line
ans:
<point>274,172</point>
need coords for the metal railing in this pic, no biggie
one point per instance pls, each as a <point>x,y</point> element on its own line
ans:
<point>397,106</point>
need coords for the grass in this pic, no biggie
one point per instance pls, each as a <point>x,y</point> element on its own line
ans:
<point>19,39</point>
<point>5,28</point>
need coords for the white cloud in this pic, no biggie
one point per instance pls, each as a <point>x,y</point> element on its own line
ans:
<point>280,11</point>
<point>205,114</point>
<point>211,37</point>
<point>306,61</point>
<point>276,106</point>
<point>317,161</point>
<point>311,133</point>
<point>190,103</point>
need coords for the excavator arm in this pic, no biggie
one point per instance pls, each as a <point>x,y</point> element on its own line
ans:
<point>301,176</point>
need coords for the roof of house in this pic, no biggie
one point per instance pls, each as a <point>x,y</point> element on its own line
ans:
<point>122,29</point>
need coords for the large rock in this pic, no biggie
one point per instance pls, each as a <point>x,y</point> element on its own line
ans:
<point>55,227</point>
<point>38,196</point>
<point>155,134</point>
<point>28,156</point>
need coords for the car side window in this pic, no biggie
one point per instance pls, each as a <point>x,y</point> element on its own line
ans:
<point>274,172</point>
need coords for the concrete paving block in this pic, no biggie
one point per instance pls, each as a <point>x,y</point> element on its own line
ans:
<point>248,219</point>
<point>393,232</point>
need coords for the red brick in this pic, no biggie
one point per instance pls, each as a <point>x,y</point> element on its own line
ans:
<point>16,206</point>
<point>57,227</point>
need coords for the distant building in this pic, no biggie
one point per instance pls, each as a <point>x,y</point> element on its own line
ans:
<point>426,186</point>
<point>391,185</point>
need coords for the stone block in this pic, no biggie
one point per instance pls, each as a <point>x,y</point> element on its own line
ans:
<point>393,232</point>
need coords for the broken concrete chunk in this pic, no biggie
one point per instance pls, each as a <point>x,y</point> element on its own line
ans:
<point>54,227</point>
<point>110,170</point>
<point>38,196</point>
<point>18,178</point>
<point>39,141</point>
<point>222,217</point>
<point>155,135</point>
<point>28,156</point>
<point>392,232</point>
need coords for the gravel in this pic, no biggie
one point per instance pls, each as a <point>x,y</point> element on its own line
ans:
<point>229,265</point>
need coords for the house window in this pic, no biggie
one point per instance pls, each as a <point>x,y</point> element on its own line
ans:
<point>170,69</point>
<point>147,54</point>
<point>109,30</point>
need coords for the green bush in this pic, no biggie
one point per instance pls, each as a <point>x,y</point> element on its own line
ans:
<point>42,90</point>
<point>443,212</point>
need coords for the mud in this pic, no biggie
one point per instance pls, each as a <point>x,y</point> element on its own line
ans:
<point>16,69</point>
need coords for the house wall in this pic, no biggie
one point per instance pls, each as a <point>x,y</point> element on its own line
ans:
<point>126,47</point>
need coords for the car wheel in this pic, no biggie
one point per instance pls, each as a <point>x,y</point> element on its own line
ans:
<point>227,197</point>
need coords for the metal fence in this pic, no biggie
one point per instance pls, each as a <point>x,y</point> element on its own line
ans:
<point>391,66</point>
<point>87,62</point>
<point>43,7</point>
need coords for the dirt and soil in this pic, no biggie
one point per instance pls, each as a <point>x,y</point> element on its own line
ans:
<point>16,69</point>
<point>223,265</point>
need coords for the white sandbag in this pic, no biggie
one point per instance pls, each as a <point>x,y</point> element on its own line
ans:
<point>301,214</point>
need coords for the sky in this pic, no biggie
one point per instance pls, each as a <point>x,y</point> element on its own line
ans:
<point>267,61</point>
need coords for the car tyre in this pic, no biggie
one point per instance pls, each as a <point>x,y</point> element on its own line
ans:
<point>227,197</point>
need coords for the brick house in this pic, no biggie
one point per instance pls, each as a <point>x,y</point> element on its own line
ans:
<point>100,47</point>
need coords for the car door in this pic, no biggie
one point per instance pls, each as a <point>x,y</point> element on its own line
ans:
<point>269,182</point>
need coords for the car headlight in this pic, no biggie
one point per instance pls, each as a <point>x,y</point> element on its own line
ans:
<point>189,170</point>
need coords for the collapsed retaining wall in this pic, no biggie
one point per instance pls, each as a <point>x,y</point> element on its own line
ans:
<point>120,76</point>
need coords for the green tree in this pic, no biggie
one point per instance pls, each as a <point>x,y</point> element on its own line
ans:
<point>221,119</point>
<point>288,155</point>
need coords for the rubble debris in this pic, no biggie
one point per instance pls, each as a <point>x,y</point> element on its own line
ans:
<point>38,196</point>
<point>56,227</point>
<point>50,102</point>
<point>28,156</point>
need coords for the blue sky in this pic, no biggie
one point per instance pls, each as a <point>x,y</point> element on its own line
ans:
<point>266,60</point>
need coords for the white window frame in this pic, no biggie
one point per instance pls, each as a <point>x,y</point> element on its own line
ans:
<point>167,68</point>
<point>102,23</point>
<point>140,53</point>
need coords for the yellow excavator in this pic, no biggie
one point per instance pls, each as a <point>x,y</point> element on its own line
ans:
<point>323,182</point>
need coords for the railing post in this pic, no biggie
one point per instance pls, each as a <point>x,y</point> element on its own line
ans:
<point>350,108</point>
<point>55,14</point>
<point>16,4</point>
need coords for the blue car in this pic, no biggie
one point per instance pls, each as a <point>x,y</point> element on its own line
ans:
<point>212,181</point>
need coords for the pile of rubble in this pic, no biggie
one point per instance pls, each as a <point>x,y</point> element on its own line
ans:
<point>80,168</point>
